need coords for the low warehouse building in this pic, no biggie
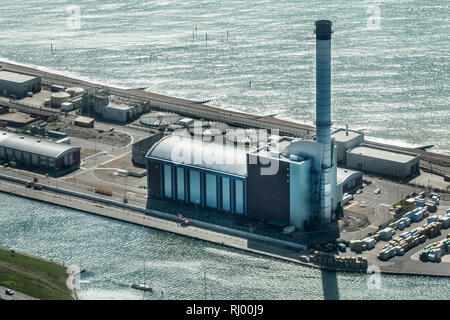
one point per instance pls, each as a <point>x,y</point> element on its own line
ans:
<point>383,161</point>
<point>32,152</point>
<point>118,113</point>
<point>18,84</point>
<point>84,122</point>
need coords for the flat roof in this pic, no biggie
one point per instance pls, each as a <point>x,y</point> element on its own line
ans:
<point>15,77</point>
<point>118,106</point>
<point>34,145</point>
<point>341,135</point>
<point>84,119</point>
<point>382,154</point>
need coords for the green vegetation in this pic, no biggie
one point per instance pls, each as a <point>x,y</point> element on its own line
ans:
<point>33,277</point>
<point>405,206</point>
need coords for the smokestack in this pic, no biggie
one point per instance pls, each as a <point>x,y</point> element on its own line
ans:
<point>323,113</point>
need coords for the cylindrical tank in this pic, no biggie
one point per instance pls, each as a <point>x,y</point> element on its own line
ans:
<point>57,99</point>
<point>66,106</point>
<point>75,91</point>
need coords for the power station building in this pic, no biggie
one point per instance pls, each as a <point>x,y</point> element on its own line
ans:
<point>284,179</point>
<point>276,181</point>
<point>35,153</point>
<point>18,84</point>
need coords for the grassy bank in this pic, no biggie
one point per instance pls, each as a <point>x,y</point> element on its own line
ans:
<point>34,277</point>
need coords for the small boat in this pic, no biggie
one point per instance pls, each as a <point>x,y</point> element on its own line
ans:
<point>140,286</point>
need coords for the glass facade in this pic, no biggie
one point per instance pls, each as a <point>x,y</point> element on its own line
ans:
<point>194,187</point>
<point>206,189</point>
<point>180,184</point>
<point>300,193</point>
<point>239,197</point>
<point>168,181</point>
<point>211,190</point>
<point>226,202</point>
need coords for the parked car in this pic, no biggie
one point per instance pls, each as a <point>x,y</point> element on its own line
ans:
<point>377,191</point>
<point>9,292</point>
<point>29,94</point>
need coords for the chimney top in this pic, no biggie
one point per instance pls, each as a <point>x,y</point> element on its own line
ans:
<point>323,29</point>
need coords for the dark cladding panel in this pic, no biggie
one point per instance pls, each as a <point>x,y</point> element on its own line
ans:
<point>154,172</point>
<point>268,195</point>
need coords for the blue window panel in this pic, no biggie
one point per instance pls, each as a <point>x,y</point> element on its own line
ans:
<point>167,181</point>
<point>180,183</point>
<point>194,186</point>
<point>239,197</point>
<point>226,203</point>
<point>211,191</point>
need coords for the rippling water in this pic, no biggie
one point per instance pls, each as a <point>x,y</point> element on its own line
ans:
<point>391,81</point>
<point>115,253</point>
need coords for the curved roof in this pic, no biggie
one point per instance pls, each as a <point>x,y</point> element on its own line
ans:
<point>226,159</point>
<point>344,175</point>
<point>34,145</point>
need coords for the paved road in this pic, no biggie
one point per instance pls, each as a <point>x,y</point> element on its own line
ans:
<point>16,296</point>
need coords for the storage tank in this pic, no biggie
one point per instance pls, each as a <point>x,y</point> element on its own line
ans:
<point>75,91</point>
<point>66,106</point>
<point>207,128</point>
<point>57,99</point>
<point>159,120</point>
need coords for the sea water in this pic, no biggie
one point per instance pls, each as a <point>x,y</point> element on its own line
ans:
<point>390,78</point>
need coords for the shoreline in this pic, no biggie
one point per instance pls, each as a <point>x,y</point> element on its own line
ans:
<point>183,106</point>
<point>73,292</point>
<point>269,247</point>
<point>196,232</point>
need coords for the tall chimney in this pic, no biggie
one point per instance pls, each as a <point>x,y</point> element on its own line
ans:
<point>323,113</point>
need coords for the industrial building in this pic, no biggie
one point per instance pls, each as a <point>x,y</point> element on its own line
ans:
<point>349,180</point>
<point>346,139</point>
<point>84,122</point>
<point>353,153</point>
<point>35,153</point>
<point>17,85</point>
<point>383,161</point>
<point>284,179</point>
<point>118,113</point>
<point>98,102</point>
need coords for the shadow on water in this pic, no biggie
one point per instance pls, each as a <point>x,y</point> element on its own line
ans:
<point>329,278</point>
<point>329,285</point>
